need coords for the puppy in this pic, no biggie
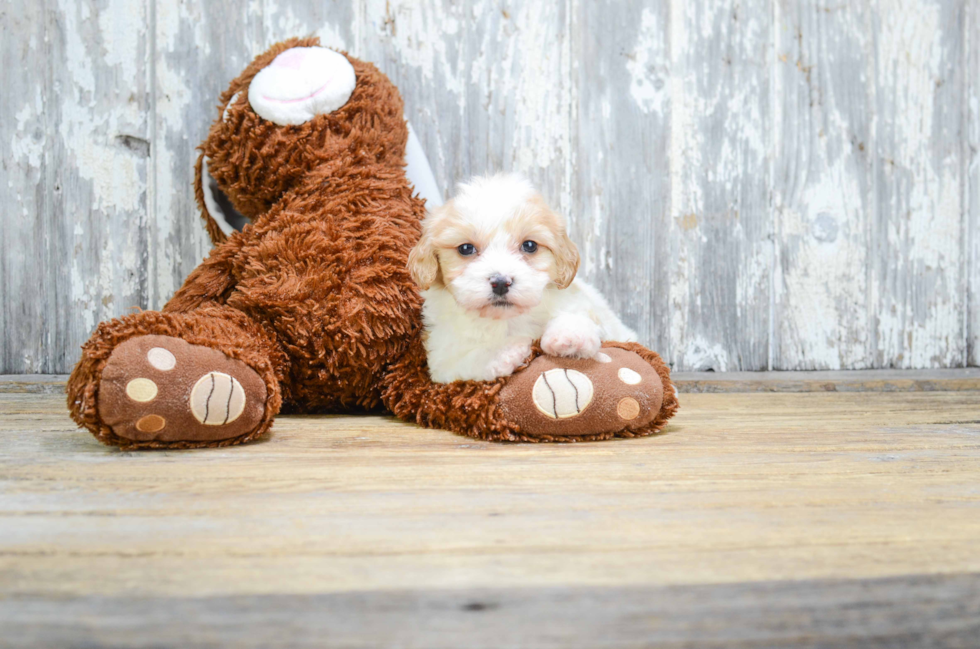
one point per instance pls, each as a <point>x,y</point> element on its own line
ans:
<point>497,271</point>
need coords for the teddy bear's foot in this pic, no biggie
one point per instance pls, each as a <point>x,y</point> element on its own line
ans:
<point>618,393</point>
<point>158,388</point>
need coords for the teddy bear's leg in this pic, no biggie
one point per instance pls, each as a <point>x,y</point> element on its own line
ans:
<point>208,377</point>
<point>625,392</point>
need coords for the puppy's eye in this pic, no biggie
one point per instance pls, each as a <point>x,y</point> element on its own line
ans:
<point>529,247</point>
<point>466,249</point>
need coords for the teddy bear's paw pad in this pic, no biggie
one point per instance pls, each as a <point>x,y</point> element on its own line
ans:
<point>160,388</point>
<point>570,397</point>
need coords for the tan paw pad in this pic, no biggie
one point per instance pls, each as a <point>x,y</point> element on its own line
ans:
<point>628,408</point>
<point>217,399</point>
<point>151,424</point>
<point>562,393</point>
<point>141,390</point>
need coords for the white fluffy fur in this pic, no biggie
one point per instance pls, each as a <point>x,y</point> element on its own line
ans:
<point>301,83</point>
<point>469,337</point>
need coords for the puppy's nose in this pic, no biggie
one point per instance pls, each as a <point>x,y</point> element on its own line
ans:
<point>500,284</point>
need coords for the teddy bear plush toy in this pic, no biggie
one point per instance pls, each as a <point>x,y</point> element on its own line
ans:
<point>310,308</point>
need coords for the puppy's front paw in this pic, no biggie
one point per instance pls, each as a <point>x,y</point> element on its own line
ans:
<point>509,359</point>
<point>573,341</point>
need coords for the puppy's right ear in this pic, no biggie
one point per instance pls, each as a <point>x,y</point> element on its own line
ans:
<point>423,264</point>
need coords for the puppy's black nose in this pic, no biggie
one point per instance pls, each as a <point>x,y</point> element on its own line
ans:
<point>500,284</point>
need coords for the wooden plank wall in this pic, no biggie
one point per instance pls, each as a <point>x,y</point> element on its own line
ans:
<point>755,184</point>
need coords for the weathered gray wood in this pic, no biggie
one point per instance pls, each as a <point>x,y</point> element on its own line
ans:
<point>949,380</point>
<point>721,233</point>
<point>922,611</point>
<point>971,109</point>
<point>709,157</point>
<point>33,383</point>
<point>917,235</point>
<point>823,184</point>
<point>620,160</point>
<point>945,380</point>
<point>336,22</point>
<point>75,115</point>
<point>24,138</point>
<point>200,48</point>
<point>487,86</point>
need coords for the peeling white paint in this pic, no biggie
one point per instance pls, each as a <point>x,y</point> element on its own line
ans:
<point>720,284</point>
<point>121,26</point>
<point>282,22</point>
<point>972,185</point>
<point>419,34</point>
<point>870,269</point>
<point>825,290</point>
<point>702,355</point>
<point>29,140</point>
<point>538,84</point>
<point>647,65</point>
<point>102,104</point>
<point>921,323</point>
<point>823,318</point>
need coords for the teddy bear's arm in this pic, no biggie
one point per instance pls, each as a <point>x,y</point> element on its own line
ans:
<point>209,283</point>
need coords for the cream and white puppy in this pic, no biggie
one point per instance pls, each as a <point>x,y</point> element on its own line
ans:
<point>497,271</point>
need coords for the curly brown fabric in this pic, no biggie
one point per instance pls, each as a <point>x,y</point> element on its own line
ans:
<point>314,294</point>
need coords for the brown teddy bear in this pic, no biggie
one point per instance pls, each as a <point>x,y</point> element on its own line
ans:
<point>311,308</point>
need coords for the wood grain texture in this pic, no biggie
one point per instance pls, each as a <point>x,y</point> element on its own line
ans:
<point>199,48</point>
<point>919,267</point>
<point>619,162</point>
<point>486,85</point>
<point>708,155</point>
<point>824,513</point>
<point>823,185</point>
<point>942,380</point>
<point>23,191</point>
<point>971,237</point>
<point>719,139</point>
<point>828,381</point>
<point>75,177</point>
<point>925,612</point>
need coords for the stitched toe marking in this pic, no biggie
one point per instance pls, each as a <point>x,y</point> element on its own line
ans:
<point>628,408</point>
<point>217,399</point>
<point>628,376</point>
<point>141,390</point>
<point>151,424</point>
<point>562,393</point>
<point>162,359</point>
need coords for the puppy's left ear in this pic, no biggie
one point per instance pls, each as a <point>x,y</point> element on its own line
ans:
<point>566,259</point>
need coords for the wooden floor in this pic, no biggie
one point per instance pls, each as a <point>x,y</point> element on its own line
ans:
<point>757,519</point>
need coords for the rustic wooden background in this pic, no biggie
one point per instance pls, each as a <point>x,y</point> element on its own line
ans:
<point>755,184</point>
